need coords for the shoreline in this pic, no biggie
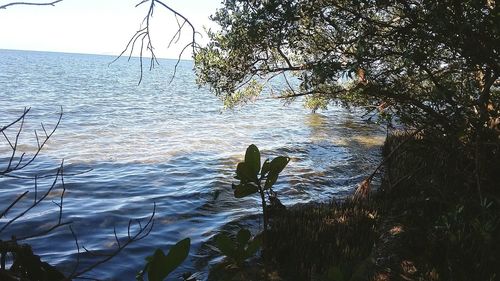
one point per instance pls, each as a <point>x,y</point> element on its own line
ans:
<point>418,225</point>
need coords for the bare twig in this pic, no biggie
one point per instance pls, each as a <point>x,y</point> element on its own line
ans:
<point>13,204</point>
<point>364,187</point>
<point>75,268</point>
<point>60,205</point>
<point>139,235</point>
<point>15,164</point>
<point>45,175</point>
<point>22,163</point>
<point>44,232</point>
<point>143,35</point>
<point>14,146</point>
<point>30,4</point>
<point>36,203</point>
<point>26,110</point>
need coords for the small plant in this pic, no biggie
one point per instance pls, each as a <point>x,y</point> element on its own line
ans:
<point>254,179</point>
<point>159,266</point>
<point>240,249</point>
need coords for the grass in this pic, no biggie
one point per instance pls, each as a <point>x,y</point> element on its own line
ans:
<point>312,242</point>
<point>428,221</point>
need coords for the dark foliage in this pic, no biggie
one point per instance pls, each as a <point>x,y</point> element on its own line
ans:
<point>427,62</point>
<point>430,193</point>
<point>321,240</point>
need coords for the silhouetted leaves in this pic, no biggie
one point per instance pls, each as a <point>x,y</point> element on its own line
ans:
<point>159,266</point>
<point>252,160</point>
<point>428,61</point>
<point>240,249</point>
<point>244,190</point>
<point>276,166</point>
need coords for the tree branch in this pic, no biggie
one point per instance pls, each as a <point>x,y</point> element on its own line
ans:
<point>143,35</point>
<point>30,4</point>
<point>142,232</point>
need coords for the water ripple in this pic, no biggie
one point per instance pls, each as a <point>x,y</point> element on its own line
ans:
<point>163,144</point>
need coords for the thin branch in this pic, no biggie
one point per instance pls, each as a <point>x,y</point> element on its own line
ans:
<point>194,32</point>
<point>62,193</point>
<point>23,164</point>
<point>44,232</point>
<point>77,264</point>
<point>284,57</point>
<point>363,189</point>
<point>16,164</point>
<point>288,84</point>
<point>39,176</point>
<point>143,33</point>
<point>30,4</point>
<point>178,33</point>
<point>33,205</point>
<point>179,61</point>
<point>14,146</point>
<point>26,110</point>
<point>8,140</point>
<point>13,203</point>
<point>36,188</point>
<point>140,234</point>
<point>116,237</point>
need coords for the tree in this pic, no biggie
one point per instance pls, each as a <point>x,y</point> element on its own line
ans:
<point>433,65</point>
<point>426,62</point>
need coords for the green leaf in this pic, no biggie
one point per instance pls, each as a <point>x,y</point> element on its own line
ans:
<point>252,160</point>
<point>155,268</point>
<point>265,167</point>
<point>276,166</point>
<point>160,266</point>
<point>225,245</point>
<point>244,190</point>
<point>240,171</point>
<point>271,180</point>
<point>254,246</point>
<point>243,173</point>
<point>243,236</point>
<point>279,163</point>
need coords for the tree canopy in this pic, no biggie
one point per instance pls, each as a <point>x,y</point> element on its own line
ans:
<point>428,62</point>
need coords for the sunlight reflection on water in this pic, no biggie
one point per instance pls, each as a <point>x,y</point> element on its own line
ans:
<point>168,144</point>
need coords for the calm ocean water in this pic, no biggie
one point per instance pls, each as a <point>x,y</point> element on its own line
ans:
<point>169,144</point>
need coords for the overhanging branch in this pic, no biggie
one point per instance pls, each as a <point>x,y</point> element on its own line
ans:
<point>143,38</point>
<point>30,4</point>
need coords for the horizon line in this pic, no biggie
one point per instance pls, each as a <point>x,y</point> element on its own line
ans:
<point>93,54</point>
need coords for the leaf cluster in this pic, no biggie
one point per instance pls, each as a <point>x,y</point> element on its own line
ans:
<point>251,175</point>
<point>159,266</point>
<point>429,62</point>
<point>240,249</point>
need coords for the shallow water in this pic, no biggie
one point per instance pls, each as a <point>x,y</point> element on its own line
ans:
<point>169,144</point>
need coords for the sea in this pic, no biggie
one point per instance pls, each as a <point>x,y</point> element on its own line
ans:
<point>166,146</point>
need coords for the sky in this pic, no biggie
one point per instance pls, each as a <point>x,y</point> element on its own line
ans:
<point>99,26</point>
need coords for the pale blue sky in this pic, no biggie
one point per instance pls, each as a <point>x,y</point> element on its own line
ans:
<point>97,26</point>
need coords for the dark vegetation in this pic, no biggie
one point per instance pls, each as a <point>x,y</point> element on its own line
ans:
<point>425,222</point>
<point>431,67</point>
<point>331,241</point>
<point>445,228</point>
